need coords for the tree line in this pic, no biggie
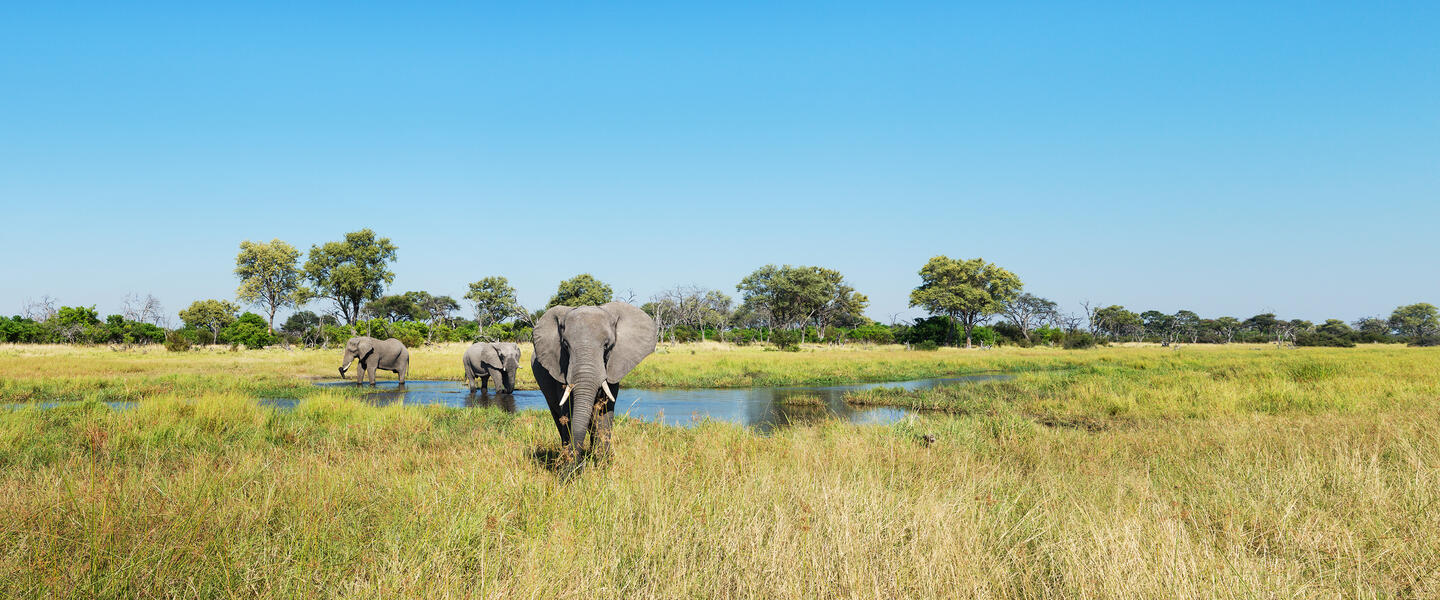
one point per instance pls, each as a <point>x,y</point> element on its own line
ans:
<point>969,301</point>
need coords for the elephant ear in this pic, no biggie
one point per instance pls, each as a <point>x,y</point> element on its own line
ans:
<point>635,336</point>
<point>365,347</point>
<point>489,357</point>
<point>546,336</point>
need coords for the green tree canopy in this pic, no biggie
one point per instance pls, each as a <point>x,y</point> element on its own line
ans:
<point>788,297</point>
<point>1415,320</point>
<point>395,308</point>
<point>581,290</point>
<point>1118,322</point>
<point>494,300</point>
<point>966,291</point>
<point>210,315</point>
<point>270,277</point>
<point>352,271</point>
<point>1226,327</point>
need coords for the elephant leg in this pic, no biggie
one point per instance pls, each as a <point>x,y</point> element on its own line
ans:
<point>360,374</point>
<point>404,370</point>
<point>371,373</point>
<point>604,429</point>
<point>485,383</point>
<point>469,378</point>
<point>605,422</point>
<point>552,391</point>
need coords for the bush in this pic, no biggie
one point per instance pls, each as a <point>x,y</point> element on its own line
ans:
<point>176,341</point>
<point>983,336</point>
<point>1425,341</point>
<point>20,329</point>
<point>873,334</point>
<point>785,338</point>
<point>1323,339</point>
<point>935,329</point>
<point>1079,341</point>
<point>250,329</point>
<point>927,345</point>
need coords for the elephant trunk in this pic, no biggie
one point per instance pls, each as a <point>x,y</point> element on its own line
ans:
<point>586,379</point>
<point>507,381</point>
<point>512,366</point>
<point>346,365</point>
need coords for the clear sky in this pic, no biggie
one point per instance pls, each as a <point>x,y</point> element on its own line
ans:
<point>1226,157</point>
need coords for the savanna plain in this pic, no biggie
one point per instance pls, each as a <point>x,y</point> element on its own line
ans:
<point>1122,472</point>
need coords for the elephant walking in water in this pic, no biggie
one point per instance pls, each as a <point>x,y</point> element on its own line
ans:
<point>580,356</point>
<point>373,354</point>
<point>484,359</point>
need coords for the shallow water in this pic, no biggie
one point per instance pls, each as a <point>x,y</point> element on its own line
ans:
<point>760,407</point>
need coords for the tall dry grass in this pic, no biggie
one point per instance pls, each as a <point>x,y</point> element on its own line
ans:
<point>220,497</point>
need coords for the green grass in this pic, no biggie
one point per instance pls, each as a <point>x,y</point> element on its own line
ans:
<point>1114,473</point>
<point>1138,384</point>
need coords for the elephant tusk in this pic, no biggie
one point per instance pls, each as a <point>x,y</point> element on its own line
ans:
<point>565,395</point>
<point>606,386</point>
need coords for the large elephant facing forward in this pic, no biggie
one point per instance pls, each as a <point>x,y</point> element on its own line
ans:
<point>484,360</point>
<point>373,354</point>
<point>580,356</point>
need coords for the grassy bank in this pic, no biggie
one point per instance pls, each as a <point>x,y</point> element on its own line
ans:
<point>1121,385</point>
<point>217,496</point>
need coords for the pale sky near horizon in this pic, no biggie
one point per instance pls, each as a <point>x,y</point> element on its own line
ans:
<point>1227,158</point>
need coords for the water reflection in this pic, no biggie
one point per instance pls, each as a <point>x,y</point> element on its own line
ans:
<point>762,408</point>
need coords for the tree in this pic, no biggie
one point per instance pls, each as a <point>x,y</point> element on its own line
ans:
<point>72,322</point>
<point>965,291</point>
<point>1335,328</point>
<point>212,315</point>
<point>301,322</point>
<point>1227,326</point>
<point>1415,320</point>
<point>1373,329</point>
<point>352,271</point>
<point>843,306</point>
<point>270,277</point>
<point>1264,324</point>
<point>394,308</point>
<point>143,310</point>
<point>715,308</point>
<point>1027,311</point>
<point>436,308</point>
<point>1187,324</point>
<point>494,300</point>
<point>789,297</point>
<point>581,290</point>
<point>1159,325</point>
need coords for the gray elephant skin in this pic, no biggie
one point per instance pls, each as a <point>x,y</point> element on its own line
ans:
<point>484,360</point>
<point>373,354</point>
<point>581,354</point>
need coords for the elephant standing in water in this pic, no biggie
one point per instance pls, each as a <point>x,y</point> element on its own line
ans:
<point>580,356</point>
<point>484,360</point>
<point>373,354</point>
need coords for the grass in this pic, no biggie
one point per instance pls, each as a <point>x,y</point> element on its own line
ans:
<point>1208,472</point>
<point>1123,385</point>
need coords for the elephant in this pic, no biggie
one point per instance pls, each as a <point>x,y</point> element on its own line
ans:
<point>484,359</point>
<point>581,354</point>
<point>373,354</point>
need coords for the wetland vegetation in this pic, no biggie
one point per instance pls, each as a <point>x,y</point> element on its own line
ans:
<point>1117,472</point>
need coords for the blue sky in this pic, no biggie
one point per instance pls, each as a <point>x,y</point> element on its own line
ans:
<point>1227,158</point>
